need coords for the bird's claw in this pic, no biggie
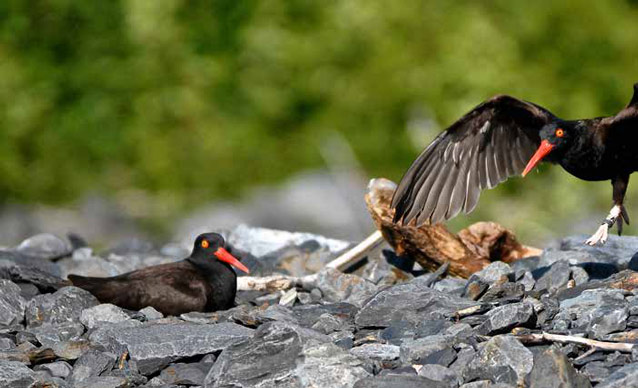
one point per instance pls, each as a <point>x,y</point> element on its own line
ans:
<point>600,237</point>
<point>623,217</point>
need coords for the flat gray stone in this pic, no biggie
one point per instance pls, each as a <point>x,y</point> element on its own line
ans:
<point>440,373</point>
<point>617,249</point>
<point>502,359</point>
<point>45,246</point>
<point>102,313</point>
<point>599,311</point>
<point>150,313</point>
<point>7,344</point>
<point>49,335</point>
<point>425,350</point>
<point>555,278</point>
<point>63,306</point>
<point>494,272</point>
<point>625,377</point>
<point>553,370</point>
<point>413,302</point>
<point>104,382</point>
<point>339,287</point>
<point>24,269</point>
<point>281,354</point>
<point>487,384</point>
<point>185,374</point>
<point>91,364</point>
<point>504,318</point>
<point>399,381</point>
<point>154,346</point>
<point>379,352</point>
<point>14,374</point>
<point>12,304</point>
<point>55,369</point>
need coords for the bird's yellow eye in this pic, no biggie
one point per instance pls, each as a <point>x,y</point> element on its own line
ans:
<point>560,132</point>
<point>205,244</point>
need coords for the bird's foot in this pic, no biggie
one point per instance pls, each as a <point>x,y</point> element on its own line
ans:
<point>616,215</point>
<point>600,237</point>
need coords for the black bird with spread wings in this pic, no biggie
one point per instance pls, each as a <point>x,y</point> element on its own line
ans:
<point>505,136</point>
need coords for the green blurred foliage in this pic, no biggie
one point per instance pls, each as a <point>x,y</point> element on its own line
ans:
<point>193,100</point>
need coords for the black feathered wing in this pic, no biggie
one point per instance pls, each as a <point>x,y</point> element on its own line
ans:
<point>483,148</point>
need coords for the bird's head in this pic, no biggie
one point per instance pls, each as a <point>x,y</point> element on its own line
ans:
<point>554,138</point>
<point>212,245</point>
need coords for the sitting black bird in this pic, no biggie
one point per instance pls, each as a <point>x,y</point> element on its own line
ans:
<point>204,281</point>
<point>505,136</point>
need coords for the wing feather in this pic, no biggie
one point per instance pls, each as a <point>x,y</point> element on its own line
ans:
<point>482,149</point>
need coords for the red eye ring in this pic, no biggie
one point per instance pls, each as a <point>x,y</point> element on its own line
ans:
<point>205,244</point>
<point>560,132</point>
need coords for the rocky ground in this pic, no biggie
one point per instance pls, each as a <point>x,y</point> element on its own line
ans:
<point>385,324</point>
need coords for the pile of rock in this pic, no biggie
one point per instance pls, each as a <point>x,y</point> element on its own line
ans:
<point>384,324</point>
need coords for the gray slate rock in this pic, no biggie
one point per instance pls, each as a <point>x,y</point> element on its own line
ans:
<point>91,364</point>
<point>286,355</point>
<point>440,373</point>
<point>309,315</point>
<point>49,335</point>
<point>596,371</point>
<point>502,359</point>
<point>7,344</point>
<point>554,278</point>
<point>494,272</point>
<point>185,374</point>
<point>63,306</point>
<point>379,352</point>
<point>399,381</point>
<point>154,346</point>
<point>102,313</point>
<point>617,249</point>
<point>12,304</point>
<point>45,246</point>
<point>453,286</point>
<point>599,311</point>
<point>553,370</point>
<point>428,350</point>
<point>507,290</point>
<point>486,384</point>
<point>475,288</point>
<point>625,377</point>
<point>401,331</point>
<point>151,314</point>
<point>339,287</point>
<point>23,269</point>
<point>55,369</point>
<point>17,259</point>
<point>14,374</point>
<point>412,302</point>
<point>329,323</point>
<point>504,318</point>
<point>104,382</point>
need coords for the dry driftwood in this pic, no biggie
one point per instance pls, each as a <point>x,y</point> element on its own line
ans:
<point>274,282</point>
<point>594,344</point>
<point>433,245</point>
<point>357,253</point>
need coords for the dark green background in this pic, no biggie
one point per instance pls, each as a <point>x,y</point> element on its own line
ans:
<point>185,102</point>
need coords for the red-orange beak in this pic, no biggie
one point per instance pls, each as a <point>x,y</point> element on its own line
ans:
<point>226,257</point>
<point>542,151</point>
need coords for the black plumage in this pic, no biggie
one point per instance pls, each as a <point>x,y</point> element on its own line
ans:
<point>496,140</point>
<point>204,281</point>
